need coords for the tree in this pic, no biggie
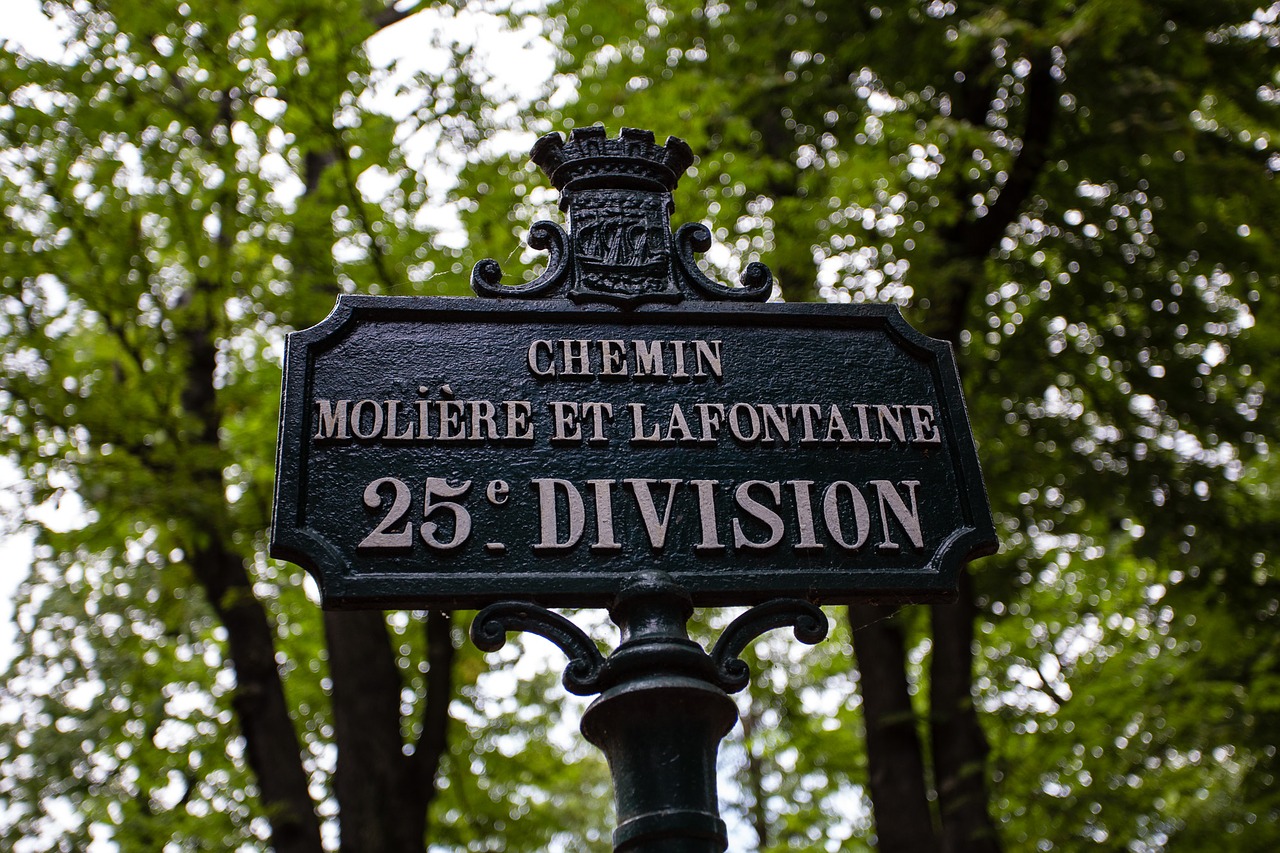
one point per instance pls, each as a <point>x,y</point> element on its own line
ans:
<point>1073,194</point>
<point>186,183</point>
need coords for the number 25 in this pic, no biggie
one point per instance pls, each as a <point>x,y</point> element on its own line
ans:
<point>436,487</point>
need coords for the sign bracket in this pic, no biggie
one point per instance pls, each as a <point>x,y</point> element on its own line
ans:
<point>664,705</point>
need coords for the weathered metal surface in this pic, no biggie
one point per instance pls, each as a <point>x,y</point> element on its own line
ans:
<point>452,452</point>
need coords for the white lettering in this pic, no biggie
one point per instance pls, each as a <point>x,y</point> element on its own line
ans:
<point>613,358</point>
<point>649,360</point>
<point>357,419</point>
<point>519,417</point>
<point>804,515</point>
<point>707,515</point>
<point>679,423</point>
<point>602,490</point>
<point>707,354</point>
<point>771,416</point>
<point>536,364</point>
<point>549,516</point>
<point>831,514</point>
<point>926,427</point>
<point>735,423</point>
<point>807,412</point>
<point>760,512</point>
<point>638,435</point>
<point>452,427</point>
<point>657,530</point>
<point>393,419</point>
<point>574,358</point>
<point>835,424</point>
<point>483,419</point>
<point>333,419</point>
<point>677,347</point>
<point>598,412</point>
<point>564,421</point>
<point>888,495</point>
<point>891,416</point>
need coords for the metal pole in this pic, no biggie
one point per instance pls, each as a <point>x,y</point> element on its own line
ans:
<point>664,705</point>
<point>660,724</point>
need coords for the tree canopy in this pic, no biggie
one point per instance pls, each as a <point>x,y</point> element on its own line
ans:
<point>1078,195</point>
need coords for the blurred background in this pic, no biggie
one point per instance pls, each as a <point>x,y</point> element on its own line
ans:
<point>1079,195</point>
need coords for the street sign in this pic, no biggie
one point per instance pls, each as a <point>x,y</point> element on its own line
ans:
<point>440,452</point>
<point>453,452</point>
<point>623,431</point>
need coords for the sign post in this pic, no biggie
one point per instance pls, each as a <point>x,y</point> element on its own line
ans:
<point>625,432</point>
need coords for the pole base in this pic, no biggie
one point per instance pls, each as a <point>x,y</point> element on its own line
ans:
<point>661,734</point>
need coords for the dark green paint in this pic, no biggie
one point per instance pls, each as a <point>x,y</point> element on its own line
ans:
<point>384,348</point>
<point>664,703</point>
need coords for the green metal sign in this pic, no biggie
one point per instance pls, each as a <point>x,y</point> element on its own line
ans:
<point>453,452</point>
<point>624,431</point>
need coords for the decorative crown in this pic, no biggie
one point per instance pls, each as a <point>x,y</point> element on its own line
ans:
<point>591,158</point>
<point>617,193</point>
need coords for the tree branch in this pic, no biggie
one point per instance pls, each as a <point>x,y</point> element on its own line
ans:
<point>271,742</point>
<point>904,823</point>
<point>959,744</point>
<point>377,255</point>
<point>433,739</point>
<point>978,237</point>
<point>391,15</point>
<point>969,242</point>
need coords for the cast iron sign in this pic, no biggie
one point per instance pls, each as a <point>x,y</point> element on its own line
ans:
<point>455,452</point>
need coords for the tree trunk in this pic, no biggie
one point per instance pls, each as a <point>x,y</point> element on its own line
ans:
<point>433,740</point>
<point>369,780</point>
<point>271,742</point>
<point>959,744</point>
<point>904,822</point>
<point>758,813</point>
<point>383,794</point>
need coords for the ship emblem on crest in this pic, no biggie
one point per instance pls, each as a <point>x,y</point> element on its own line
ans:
<point>621,243</point>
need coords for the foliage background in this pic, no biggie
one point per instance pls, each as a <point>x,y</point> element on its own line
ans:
<point>1079,195</point>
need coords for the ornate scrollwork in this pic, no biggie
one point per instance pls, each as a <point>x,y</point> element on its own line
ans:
<point>619,248</point>
<point>581,676</point>
<point>808,620</point>
<point>757,280</point>
<point>544,235</point>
